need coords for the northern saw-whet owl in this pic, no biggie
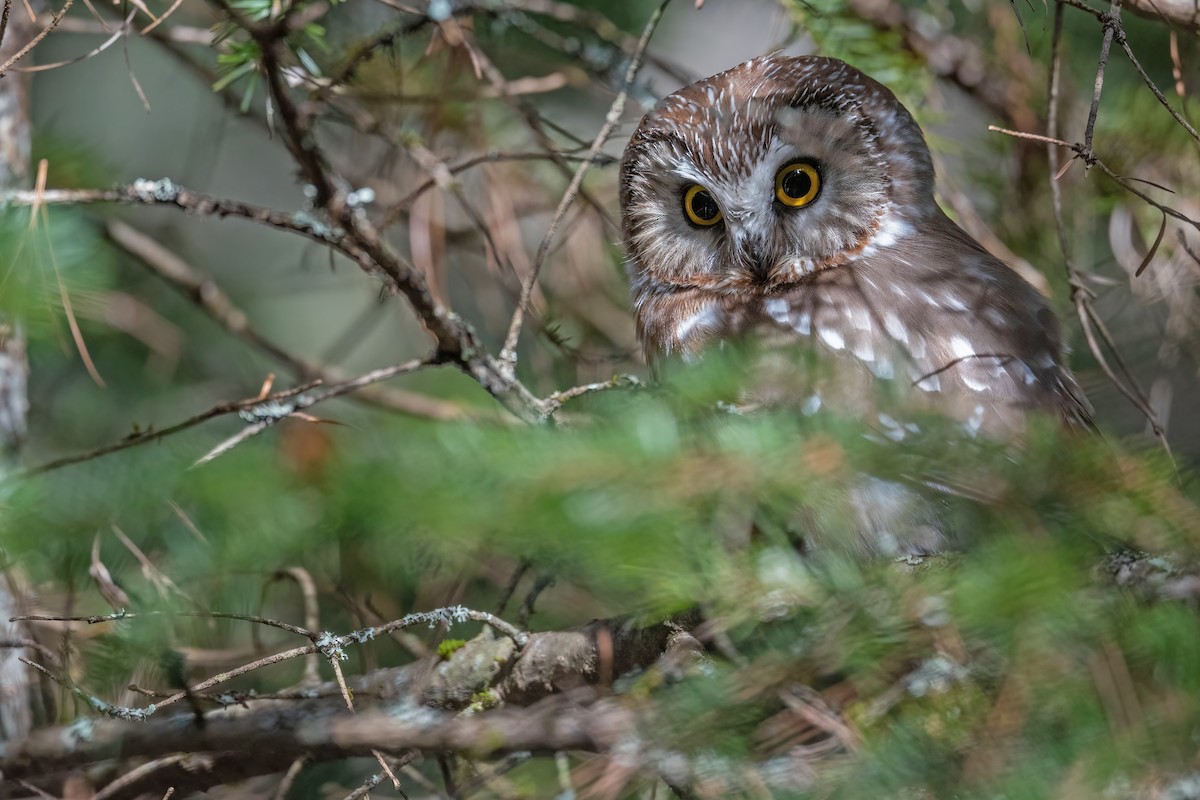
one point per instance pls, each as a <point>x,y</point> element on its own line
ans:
<point>790,200</point>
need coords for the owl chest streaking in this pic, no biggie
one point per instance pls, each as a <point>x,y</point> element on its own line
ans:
<point>791,200</point>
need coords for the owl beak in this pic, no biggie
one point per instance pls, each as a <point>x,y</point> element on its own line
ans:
<point>754,261</point>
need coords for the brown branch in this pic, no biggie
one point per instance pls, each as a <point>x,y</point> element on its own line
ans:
<point>1080,295</point>
<point>207,296</point>
<point>1133,392</point>
<point>140,773</point>
<point>421,699</point>
<point>1106,43</point>
<point>1085,154</point>
<point>262,412</point>
<point>457,341</point>
<point>314,728</point>
<point>4,19</point>
<point>24,51</point>
<point>1052,143</point>
<point>297,124</point>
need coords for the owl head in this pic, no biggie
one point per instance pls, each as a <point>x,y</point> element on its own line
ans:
<point>767,174</point>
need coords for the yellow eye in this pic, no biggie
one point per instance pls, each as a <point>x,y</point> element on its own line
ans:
<point>797,184</point>
<point>700,206</point>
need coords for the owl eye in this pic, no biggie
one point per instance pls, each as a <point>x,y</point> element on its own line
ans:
<point>700,207</point>
<point>797,184</point>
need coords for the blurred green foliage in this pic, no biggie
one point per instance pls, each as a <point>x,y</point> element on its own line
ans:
<point>646,511</point>
<point>48,259</point>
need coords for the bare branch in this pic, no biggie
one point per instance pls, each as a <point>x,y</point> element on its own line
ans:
<point>260,412</point>
<point>1084,153</point>
<point>208,296</point>
<point>557,724</point>
<point>1185,13</point>
<point>1109,29</point>
<point>24,51</point>
<point>1080,295</point>
<point>4,19</point>
<point>457,341</point>
<point>508,354</point>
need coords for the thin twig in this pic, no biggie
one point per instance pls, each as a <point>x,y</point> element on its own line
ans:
<point>394,211</point>
<point>1080,294</point>
<point>268,413</point>
<point>537,125</point>
<point>364,790</point>
<point>93,702</point>
<point>264,410</point>
<point>96,619</point>
<point>1113,28</point>
<point>289,777</point>
<point>24,51</point>
<point>327,644</point>
<point>457,341</point>
<point>557,399</point>
<point>1114,12</point>
<point>1123,41</point>
<point>1133,393</point>
<point>32,644</point>
<point>1088,156</point>
<point>312,613</point>
<point>134,775</point>
<point>508,354</point>
<point>95,51</point>
<point>203,291</point>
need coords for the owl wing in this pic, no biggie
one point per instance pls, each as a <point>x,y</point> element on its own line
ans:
<point>951,327</point>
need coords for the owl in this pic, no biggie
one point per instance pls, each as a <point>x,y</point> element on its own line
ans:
<point>790,200</point>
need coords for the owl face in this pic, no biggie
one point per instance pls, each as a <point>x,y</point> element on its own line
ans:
<point>763,176</point>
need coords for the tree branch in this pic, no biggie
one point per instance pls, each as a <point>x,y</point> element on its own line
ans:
<point>207,296</point>
<point>409,707</point>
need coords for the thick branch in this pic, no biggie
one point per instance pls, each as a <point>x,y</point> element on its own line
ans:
<point>324,731</point>
<point>207,295</point>
<point>270,733</point>
<point>457,342</point>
